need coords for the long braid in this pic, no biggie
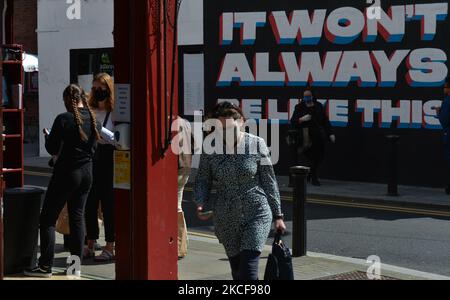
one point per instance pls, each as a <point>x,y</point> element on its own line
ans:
<point>93,118</point>
<point>78,119</point>
<point>72,96</point>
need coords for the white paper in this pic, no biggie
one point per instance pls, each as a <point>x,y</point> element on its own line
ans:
<point>108,136</point>
<point>194,83</point>
<point>17,96</point>
<point>85,81</point>
<point>122,111</point>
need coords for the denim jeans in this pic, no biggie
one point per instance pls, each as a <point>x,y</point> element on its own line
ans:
<point>245,265</point>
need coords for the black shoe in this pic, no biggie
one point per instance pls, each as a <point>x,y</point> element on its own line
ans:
<point>41,272</point>
<point>447,190</point>
<point>315,181</point>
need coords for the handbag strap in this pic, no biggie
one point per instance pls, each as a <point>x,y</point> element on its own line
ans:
<point>277,239</point>
<point>105,121</point>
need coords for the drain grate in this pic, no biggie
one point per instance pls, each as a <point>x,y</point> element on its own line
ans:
<point>355,275</point>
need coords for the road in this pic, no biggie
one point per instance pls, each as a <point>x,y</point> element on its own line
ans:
<point>415,240</point>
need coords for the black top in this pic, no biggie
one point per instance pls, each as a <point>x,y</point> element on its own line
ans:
<point>319,119</point>
<point>75,152</point>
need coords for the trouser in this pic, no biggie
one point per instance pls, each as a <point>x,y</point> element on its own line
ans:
<point>65,186</point>
<point>447,157</point>
<point>244,266</point>
<point>182,228</point>
<point>102,192</point>
<point>315,156</point>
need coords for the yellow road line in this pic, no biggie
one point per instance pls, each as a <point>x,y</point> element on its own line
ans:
<point>382,207</point>
<point>40,174</point>
<point>196,233</point>
<point>368,206</point>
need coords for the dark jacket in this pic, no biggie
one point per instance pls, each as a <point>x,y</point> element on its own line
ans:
<point>319,119</point>
<point>444,117</point>
<point>74,152</point>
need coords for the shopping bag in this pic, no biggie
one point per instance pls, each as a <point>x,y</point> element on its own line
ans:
<point>62,224</point>
<point>182,235</point>
<point>279,262</point>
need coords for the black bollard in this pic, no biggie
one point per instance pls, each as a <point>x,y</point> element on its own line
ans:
<point>1,231</point>
<point>299,175</point>
<point>392,164</point>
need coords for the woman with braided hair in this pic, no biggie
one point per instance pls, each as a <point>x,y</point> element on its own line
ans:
<point>73,139</point>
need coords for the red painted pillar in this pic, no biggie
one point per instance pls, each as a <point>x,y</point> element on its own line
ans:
<point>146,216</point>
<point>9,39</point>
<point>122,49</point>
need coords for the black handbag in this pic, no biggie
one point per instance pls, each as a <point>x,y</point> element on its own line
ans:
<point>279,262</point>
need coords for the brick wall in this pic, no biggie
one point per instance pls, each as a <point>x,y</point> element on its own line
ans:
<point>31,114</point>
<point>25,24</point>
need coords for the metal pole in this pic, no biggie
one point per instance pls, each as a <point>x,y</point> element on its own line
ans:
<point>392,165</point>
<point>299,175</point>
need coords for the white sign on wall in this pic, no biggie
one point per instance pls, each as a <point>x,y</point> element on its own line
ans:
<point>190,23</point>
<point>122,110</point>
<point>194,83</point>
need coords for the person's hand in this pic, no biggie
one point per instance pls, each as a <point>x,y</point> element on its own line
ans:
<point>280,226</point>
<point>305,118</point>
<point>202,215</point>
<point>333,138</point>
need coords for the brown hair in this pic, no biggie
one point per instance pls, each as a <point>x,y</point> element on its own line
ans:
<point>227,110</point>
<point>72,95</point>
<point>105,79</point>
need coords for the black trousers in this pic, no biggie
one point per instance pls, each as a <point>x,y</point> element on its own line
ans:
<point>102,192</point>
<point>245,265</point>
<point>447,157</point>
<point>315,156</point>
<point>71,186</point>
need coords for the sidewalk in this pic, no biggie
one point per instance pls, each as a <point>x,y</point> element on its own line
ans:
<point>206,260</point>
<point>345,191</point>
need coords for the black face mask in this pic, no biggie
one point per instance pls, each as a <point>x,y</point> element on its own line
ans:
<point>101,95</point>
